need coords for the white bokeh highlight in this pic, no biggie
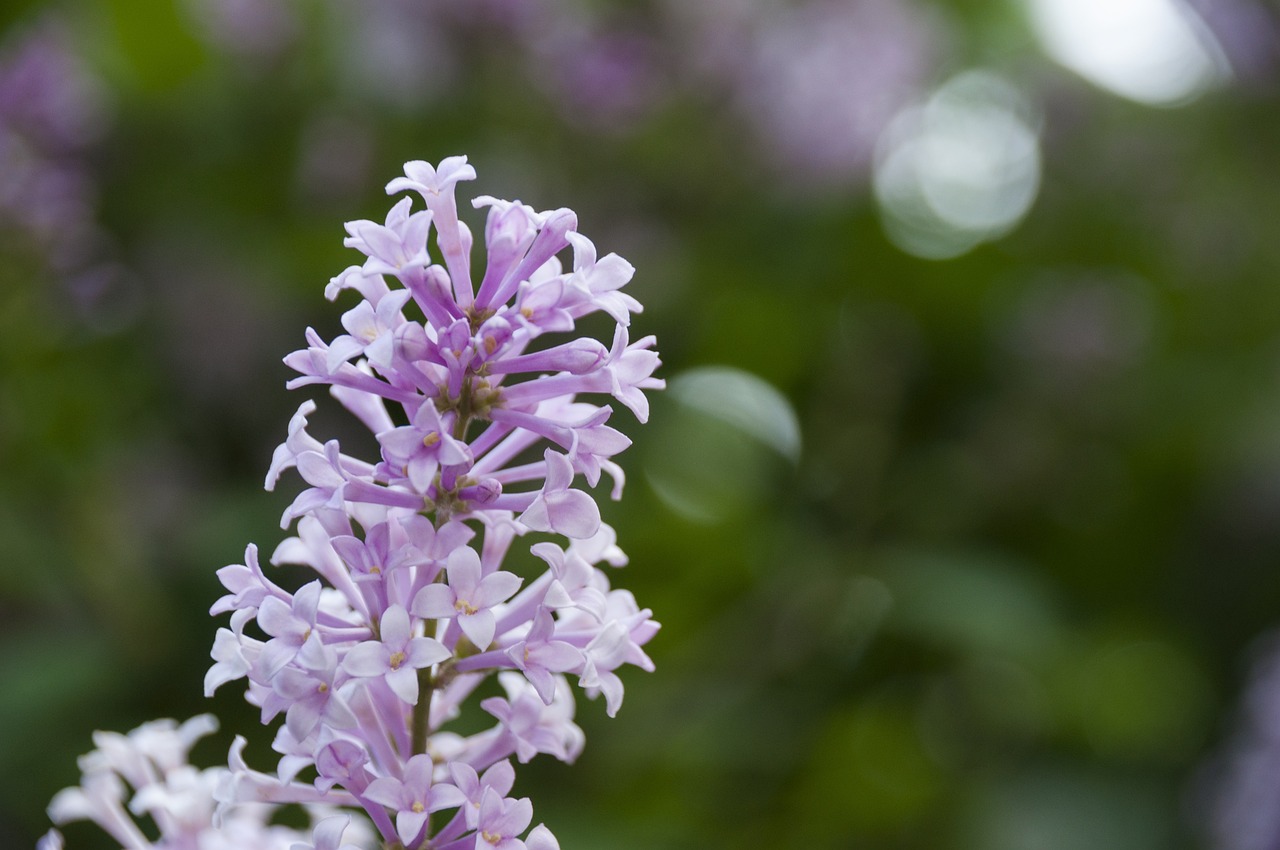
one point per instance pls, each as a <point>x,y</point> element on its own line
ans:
<point>1157,52</point>
<point>960,169</point>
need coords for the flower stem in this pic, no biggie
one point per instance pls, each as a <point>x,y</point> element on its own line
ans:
<point>422,711</point>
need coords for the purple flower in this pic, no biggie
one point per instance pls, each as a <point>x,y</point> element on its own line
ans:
<point>253,29</point>
<point>308,696</point>
<point>538,656</point>
<point>397,657</point>
<point>292,629</point>
<point>370,331</point>
<point>501,821</point>
<point>531,726</point>
<point>598,283</point>
<point>499,778</point>
<point>1241,808</point>
<point>573,584</point>
<point>342,762</point>
<point>233,656</point>
<point>413,798</point>
<point>435,184</point>
<point>604,654</point>
<point>560,508</point>
<point>467,598</point>
<point>393,247</point>
<point>187,807</point>
<point>419,449</point>
<point>248,586</point>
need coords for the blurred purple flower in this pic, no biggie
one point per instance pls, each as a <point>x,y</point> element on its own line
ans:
<point>47,94</point>
<point>51,112</point>
<point>819,81</point>
<point>603,76</point>
<point>245,28</point>
<point>1249,33</point>
<point>816,81</point>
<point>392,52</point>
<point>1243,800</point>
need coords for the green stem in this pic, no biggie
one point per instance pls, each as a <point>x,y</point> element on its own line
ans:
<point>422,711</point>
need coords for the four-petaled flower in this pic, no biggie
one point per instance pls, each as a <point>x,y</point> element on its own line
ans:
<point>467,598</point>
<point>292,629</point>
<point>414,798</point>
<point>539,656</point>
<point>397,657</point>
<point>473,786</point>
<point>369,332</point>
<point>560,508</point>
<point>501,821</point>
<point>416,451</point>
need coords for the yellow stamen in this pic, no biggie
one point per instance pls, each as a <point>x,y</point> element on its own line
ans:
<point>431,439</point>
<point>418,808</point>
<point>462,606</point>
<point>397,658</point>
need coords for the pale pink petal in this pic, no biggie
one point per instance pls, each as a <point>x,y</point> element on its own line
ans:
<point>395,627</point>
<point>540,838</point>
<point>370,658</point>
<point>435,601</point>
<point>404,683</point>
<point>572,513</point>
<point>478,627</point>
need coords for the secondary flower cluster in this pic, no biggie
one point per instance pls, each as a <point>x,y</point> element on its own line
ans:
<point>177,798</point>
<point>480,435</point>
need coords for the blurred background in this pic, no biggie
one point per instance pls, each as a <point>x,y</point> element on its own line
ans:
<point>961,512</point>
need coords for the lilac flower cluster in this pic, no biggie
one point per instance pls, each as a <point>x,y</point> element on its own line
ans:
<point>412,609</point>
<point>178,798</point>
<point>480,436</point>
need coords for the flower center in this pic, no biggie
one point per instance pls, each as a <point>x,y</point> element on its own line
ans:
<point>397,658</point>
<point>322,688</point>
<point>431,439</point>
<point>462,606</point>
<point>418,808</point>
<point>490,837</point>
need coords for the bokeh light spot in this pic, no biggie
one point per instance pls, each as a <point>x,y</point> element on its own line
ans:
<point>722,432</point>
<point>962,169</point>
<point>1153,51</point>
